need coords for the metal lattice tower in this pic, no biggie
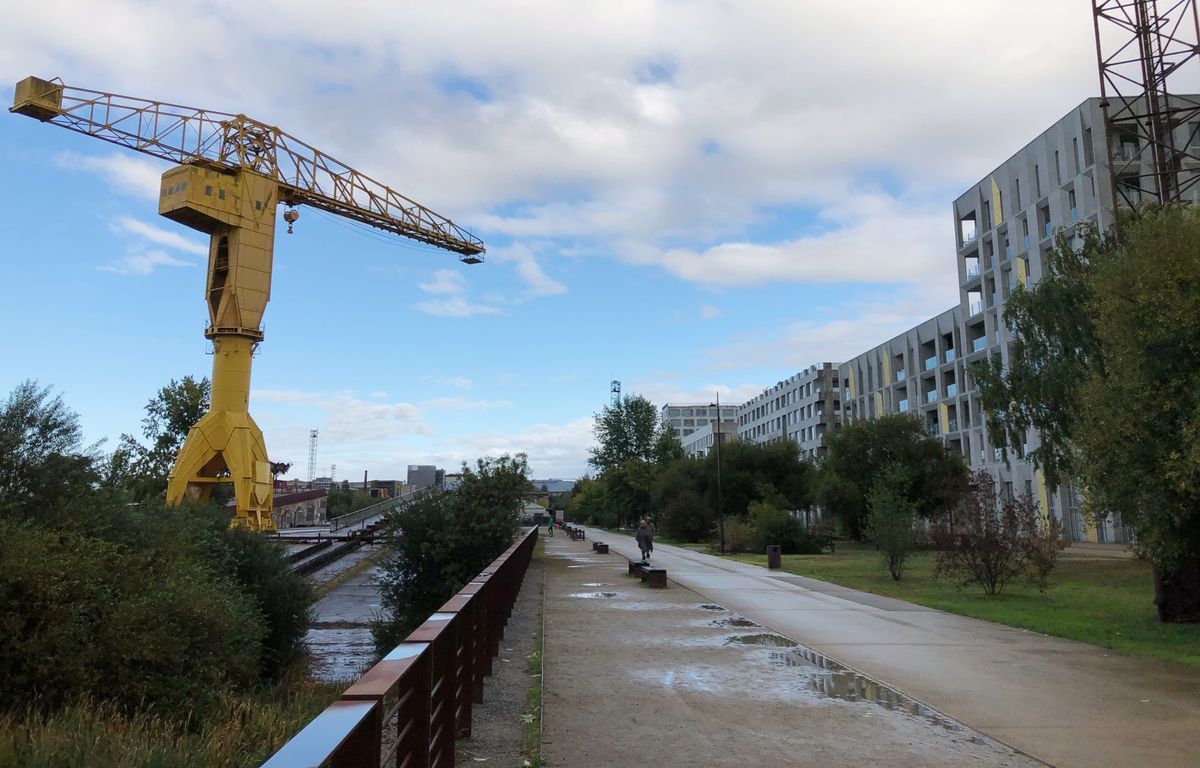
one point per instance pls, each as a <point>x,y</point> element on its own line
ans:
<point>1153,147</point>
<point>615,389</point>
<point>312,455</point>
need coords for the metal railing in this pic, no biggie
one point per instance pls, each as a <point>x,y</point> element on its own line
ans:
<point>366,513</point>
<point>422,692</point>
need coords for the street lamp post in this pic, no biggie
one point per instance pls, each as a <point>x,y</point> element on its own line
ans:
<point>717,437</point>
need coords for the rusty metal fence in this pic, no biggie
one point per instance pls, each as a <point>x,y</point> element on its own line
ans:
<point>408,710</point>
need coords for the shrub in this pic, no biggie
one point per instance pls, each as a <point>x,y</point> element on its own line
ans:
<point>81,616</point>
<point>739,535</point>
<point>773,525</point>
<point>438,543</point>
<point>891,517</point>
<point>991,548</point>
<point>687,517</point>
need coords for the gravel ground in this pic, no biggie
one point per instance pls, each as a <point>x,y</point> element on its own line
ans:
<point>496,725</point>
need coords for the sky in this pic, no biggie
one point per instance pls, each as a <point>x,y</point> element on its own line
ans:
<point>689,197</point>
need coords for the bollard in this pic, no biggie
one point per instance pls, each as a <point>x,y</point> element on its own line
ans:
<point>601,549</point>
<point>773,556</point>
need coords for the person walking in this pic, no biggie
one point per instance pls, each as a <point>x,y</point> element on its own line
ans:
<point>550,527</point>
<point>645,540</point>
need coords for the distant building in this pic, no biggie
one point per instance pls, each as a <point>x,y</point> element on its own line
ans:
<point>300,508</point>
<point>699,443</point>
<point>685,419</point>
<point>803,408</point>
<point>425,476</point>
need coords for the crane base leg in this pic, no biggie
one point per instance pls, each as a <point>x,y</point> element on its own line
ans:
<point>226,447</point>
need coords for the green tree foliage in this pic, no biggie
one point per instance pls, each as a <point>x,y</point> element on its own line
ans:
<point>43,465</point>
<point>146,606</point>
<point>773,524</point>
<point>891,518</point>
<point>748,471</point>
<point>1110,377</point>
<point>667,447</point>
<point>626,431</point>
<point>860,450</point>
<point>169,415</point>
<point>343,501</point>
<point>437,543</point>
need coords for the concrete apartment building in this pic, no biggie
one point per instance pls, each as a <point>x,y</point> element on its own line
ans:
<point>802,408</point>
<point>684,419</point>
<point>1005,225</point>
<point>700,442</point>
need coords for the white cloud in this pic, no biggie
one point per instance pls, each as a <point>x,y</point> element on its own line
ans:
<point>138,262</point>
<point>709,312</point>
<point>529,270</point>
<point>450,287</point>
<point>346,419</point>
<point>160,236</point>
<point>125,172</point>
<point>463,404</point>
<point>557,450</point>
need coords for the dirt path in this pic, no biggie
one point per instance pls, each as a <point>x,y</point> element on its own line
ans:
<point>635,676</point>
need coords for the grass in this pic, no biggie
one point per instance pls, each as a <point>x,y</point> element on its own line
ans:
<point>531,741</point>
<point>243,732</point>
<point>1105,602</point>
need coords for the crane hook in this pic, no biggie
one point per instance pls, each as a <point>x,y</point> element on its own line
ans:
<point>290,216</point>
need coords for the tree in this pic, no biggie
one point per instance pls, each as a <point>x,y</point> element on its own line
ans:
<point>991,548</point>
<point>437,543</point>
<point>627,430</point>
<point>1107,369</point>
<point>169,415</point>
<point>667,447</point>
<point>891,517</point>
<point>42,461</point>
<point>860,450</point>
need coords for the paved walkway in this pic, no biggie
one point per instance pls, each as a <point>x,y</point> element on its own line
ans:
<point>1065,703</point>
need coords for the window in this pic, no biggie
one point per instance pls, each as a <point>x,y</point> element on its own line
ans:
<point>1018,194</point>
<point>1037,181</point>
<point>1057,170</point>
<point>1075,153</point>
<point>208,190</point>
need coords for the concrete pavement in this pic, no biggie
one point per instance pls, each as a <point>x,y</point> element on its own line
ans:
<point>1065,703</point>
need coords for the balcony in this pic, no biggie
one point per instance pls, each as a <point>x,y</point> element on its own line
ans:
<point>1074,215</point>
<point>931,362</point>
<point>1047,230</point>
<point>931,396</point>
<point>1025,242</point>
<point>951,390</point>
<point>902,406</point>
<point>979,344</point>
<point>950,355</point>
<point>968,238</point>
<point>975,307</point>
<point>973,271</point>
<point>899,374</point>
<point>933,429</point>
<point>952,424</point>
<point>1007,251</point>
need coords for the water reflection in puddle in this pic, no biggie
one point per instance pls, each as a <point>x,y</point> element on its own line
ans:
<point>765,639</point>
<point>711,607</point>
<point>593,595</point>
<point>595,584</point>
<point>736,621</point>
<point>836,681</point>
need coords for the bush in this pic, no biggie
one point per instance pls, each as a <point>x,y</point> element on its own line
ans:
<point>438,543</point>
<point>773,525</point>
<point>891,518</point>
<point>686,517</point>
<point>991,549</point>
<point>81,616</point>
<point>739,535</point>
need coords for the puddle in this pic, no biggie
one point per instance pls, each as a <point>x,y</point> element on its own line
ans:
<point>836,681</point>
<point>593,595</point>
<point>736,621</point>
<point>595,584</point>
<point>711,607</point>
<point>764,639</point>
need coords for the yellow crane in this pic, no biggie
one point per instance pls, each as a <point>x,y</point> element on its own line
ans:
<point>232,172</point>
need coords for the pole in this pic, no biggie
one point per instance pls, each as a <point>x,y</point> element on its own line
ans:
<point>720,510</point>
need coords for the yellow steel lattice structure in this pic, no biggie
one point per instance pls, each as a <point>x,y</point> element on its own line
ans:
<point>232,174</point>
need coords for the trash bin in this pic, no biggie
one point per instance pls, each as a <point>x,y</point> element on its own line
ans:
<point>773,556</point>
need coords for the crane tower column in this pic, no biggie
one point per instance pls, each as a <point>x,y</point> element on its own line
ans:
<point>237,211</point>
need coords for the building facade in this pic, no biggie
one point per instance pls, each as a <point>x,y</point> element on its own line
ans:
<point>698,444</point>
<point>803,408</point>
<point>301,508</point>
<point>684,419</point>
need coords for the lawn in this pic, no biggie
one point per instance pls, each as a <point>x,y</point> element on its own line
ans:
<point>1105,602</point>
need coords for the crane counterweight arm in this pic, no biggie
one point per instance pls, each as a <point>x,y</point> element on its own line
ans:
<point>228,142</point>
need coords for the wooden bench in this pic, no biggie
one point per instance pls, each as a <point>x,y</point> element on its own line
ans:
<point>655,578</point>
